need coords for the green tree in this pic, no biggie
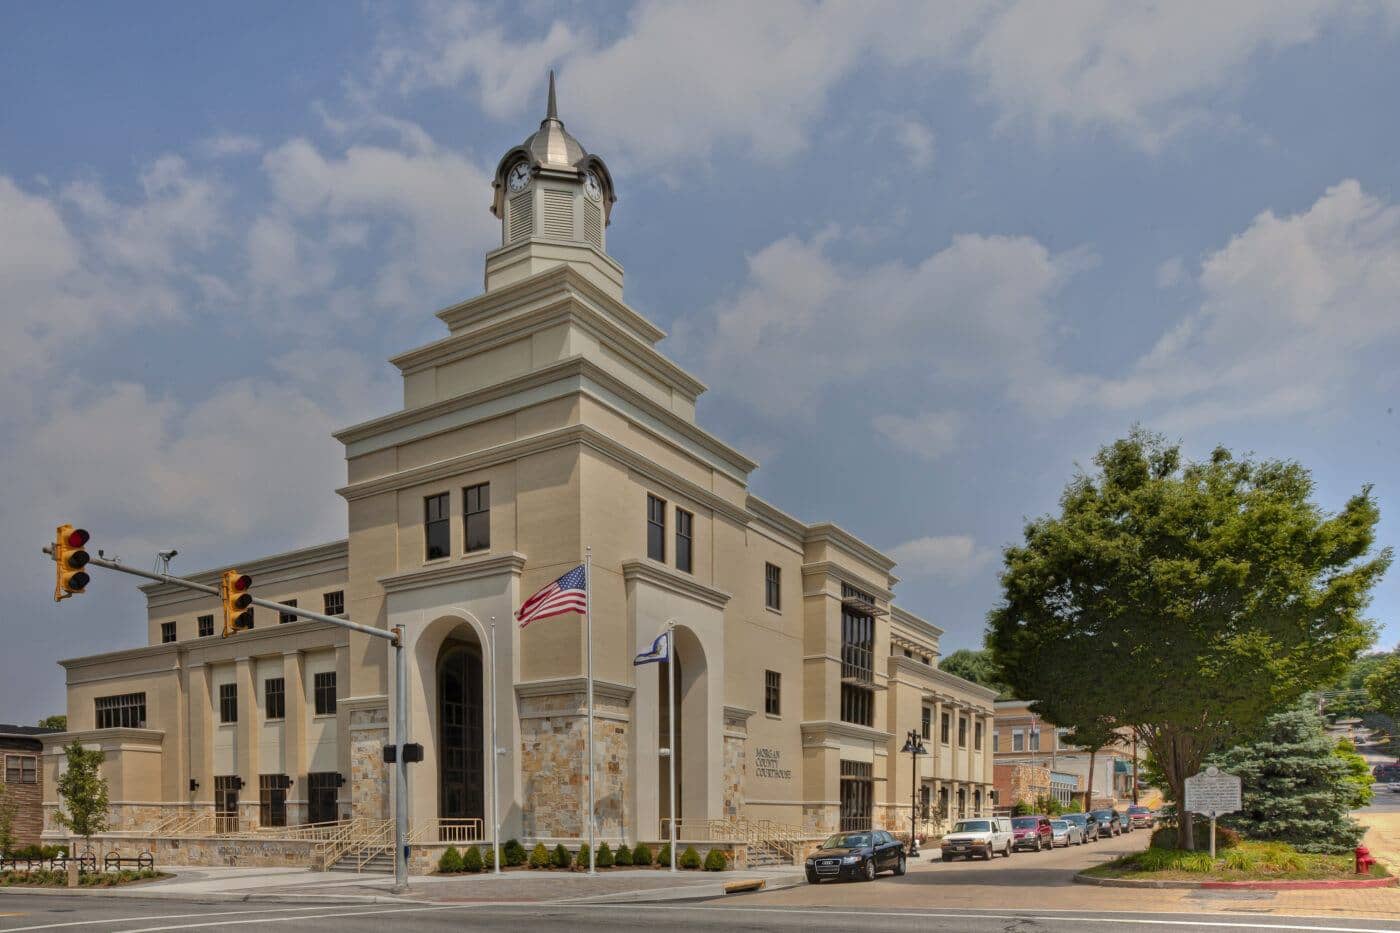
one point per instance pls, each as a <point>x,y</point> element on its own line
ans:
<point>1358,774</point>
<point>83,792</point>
<point>976,666</point>
<point>1091,732</point>
<point>1023,808</point>
<point>1295,788</point>
<point>1383,686</point>
<point>1205,595</point>
<point>8,809</point>
<point>1347,696</point>
<point>59,722</point>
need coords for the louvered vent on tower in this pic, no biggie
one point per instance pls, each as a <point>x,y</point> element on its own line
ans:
<point>521,217</point>
<point>558,215</point>
<point>593,223</point>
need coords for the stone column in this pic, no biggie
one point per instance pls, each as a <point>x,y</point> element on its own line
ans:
<point>246,742</point>
<point>294,735</point>
<point>200,712</point>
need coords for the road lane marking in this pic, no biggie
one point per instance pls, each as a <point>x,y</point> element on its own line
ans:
<point>205,913</point>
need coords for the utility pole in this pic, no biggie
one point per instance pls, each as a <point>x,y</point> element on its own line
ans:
<point>395,637</point>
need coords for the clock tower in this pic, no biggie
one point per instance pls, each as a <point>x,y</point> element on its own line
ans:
<point>554,200</point>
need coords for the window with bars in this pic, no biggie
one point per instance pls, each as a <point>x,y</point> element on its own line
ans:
<point>226,787</point>
<point>275,698</point>
<point>857,705</point>
<point>478,516</point>
<point>324,686</point>
<point>857,638</point>
<point>656,528</point>
<point>437,526</point>
<point>167,632</point>
<point>334,602</point>
<point>773,586</point>
<point>685,539</point>
<point>926,725</point>
<point>127,711</point>
<point>856,795</point>
<point>322,788</point>
<point>283,616</point>
<point>772,693</point>
<point>272,799</point>
<point>21,769</point>
<point>206,626</point>
<point>228,702</point>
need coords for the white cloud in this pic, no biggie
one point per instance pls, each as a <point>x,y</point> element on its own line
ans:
<point>1171,272</point>
<point>918,142</point>
<point>929,435</point>
<point>951,557</point>
<point>225,145</point>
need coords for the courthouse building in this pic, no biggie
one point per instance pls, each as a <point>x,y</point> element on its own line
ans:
<point>544,423</point>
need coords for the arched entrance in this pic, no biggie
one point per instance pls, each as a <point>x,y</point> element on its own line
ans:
<point>685,675</point>
<point>461,771</point>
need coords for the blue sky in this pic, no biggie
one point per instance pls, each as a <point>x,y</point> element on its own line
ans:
<point>928,257</point>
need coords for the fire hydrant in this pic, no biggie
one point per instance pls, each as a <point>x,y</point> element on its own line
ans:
<point>1364,860</point>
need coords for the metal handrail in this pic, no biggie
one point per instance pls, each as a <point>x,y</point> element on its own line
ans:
<point>376,841</point>
<point>327,853</point>
<point>447,829</point>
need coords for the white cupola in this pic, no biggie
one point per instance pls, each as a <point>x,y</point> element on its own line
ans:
<point>554,201</point>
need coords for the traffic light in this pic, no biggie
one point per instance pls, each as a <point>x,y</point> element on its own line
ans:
<point>238,602</point>
<point>69,560</point>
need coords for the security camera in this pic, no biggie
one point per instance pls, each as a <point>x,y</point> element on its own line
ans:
<point>167,555</point>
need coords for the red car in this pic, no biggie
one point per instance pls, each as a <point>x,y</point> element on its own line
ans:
<point>1032,832</point>
<point>1140,817</point>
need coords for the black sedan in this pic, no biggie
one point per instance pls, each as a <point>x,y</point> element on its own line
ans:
<point>1110,823</point>
<point>860,855</point>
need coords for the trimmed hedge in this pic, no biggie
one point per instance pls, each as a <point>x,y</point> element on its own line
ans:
<point>641,855</point>
<point>689,860</point>
<point>663,858</point>
<point>472,860</point>
<point>539,856</point>
<point>715,860</point>
<point>513,854</point>
<point>451,861</point>
<point>624,855</point>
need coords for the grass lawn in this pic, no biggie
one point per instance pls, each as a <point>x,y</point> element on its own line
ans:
<point>1249,861</point>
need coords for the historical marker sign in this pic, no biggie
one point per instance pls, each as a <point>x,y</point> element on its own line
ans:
<point>1213,793</point>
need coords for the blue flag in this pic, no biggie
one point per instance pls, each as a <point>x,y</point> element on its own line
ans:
<point>660,650</point>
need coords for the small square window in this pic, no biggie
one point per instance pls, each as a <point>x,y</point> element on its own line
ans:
<point>283,617</point>
<point>21,769</point>
<point>167,632</point>
<point>773,586</point>
<point>334,602</point>
<point>206,626</point>
<point>772,693</point>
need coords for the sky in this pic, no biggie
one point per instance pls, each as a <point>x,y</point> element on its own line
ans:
<point>927,257</point>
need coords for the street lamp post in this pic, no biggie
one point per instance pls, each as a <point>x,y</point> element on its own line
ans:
<point>914,745</point>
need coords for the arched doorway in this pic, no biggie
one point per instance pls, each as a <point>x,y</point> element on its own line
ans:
<point>461,772</point>
<point>668,675</point>
<point>686,676</point>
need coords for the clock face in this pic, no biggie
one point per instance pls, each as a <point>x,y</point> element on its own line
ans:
<point>519,177</point>
<point>592,187</point>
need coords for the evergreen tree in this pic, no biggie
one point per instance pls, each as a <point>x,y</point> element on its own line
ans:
<point>1358,774</point>
<point>1295,788</point>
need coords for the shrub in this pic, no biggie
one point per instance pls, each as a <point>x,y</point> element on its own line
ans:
<point>582,860</point>
<point>562,858</point>
<point>488,859</point>
<point>641,855</point>
<point>450,862</point>
<point>605,856</point>
<point>513,854</point>
<point>1075,806</point>
<point>472,860</point>
<point>539,856</point>
<point>1164,837</point>
<point>689,860</point>
<point>1023,808</point>
<point>663,858</point>
<point>623,856</point>
<point>715,860</point>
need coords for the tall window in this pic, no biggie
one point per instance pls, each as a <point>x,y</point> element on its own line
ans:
<point>437,526</point>
<point>334,603</point>
<point>1035,740</point>
<point>772,693</point>
<point>127,711</point>
<point>925,802</point>
<point>275,698</point>
<point>962,732</point>
<point>1018,740</point>
<point>857,657</point>
<point>856,705</point>
<point>857,795</point>
<point>944,728</point>
<point>272,799</point>
<point>167,632</point>
<point>996,741</point>
<point>325,693</point>
<point>321,791</point>
<point>685,539</point>
<point>21,769</point>
<point>773,586</point>
<point>926,725</point>
<point>283,617</point>
<point>656,528</point>
<point>206,626</point>
<point>228,702</point>
<point>478,517</point>
<point>977,737</point>
<point>226,802</point>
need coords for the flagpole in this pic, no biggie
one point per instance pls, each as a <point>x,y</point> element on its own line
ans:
<point>671,725</point>
<point>495,774</point>
<point>588,617</point>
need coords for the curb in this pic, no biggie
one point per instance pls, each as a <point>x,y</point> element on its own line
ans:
<point>1339,885</point>
<point>204,898</point>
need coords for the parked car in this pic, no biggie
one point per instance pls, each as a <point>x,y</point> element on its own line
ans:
<point>860,855</point>
<point>983,838</point>
<point>1125,824</point>
<point>1088,826</point>
<point>1031,832</point>
<point>1108,821</point>
<point>1140,817</point>
<point>1064,833</point>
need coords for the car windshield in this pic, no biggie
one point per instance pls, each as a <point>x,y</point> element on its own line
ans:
<point>973,826</point>
<point>847,841</point>
<point>1103,814</point>
<point>1060,825</point>
<point>1077,819</point>
<point>1025,822</point>
<point>1137,809</point>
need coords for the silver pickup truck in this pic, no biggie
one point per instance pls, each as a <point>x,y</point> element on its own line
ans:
<point>983,838</point>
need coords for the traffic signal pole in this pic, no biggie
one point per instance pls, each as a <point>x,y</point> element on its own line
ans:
<point>400,736</point>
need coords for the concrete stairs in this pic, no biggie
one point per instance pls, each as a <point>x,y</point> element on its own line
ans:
<point>381,863</point>
<point>767,856</point>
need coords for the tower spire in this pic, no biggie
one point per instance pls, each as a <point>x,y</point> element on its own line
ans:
<point>553,113</point>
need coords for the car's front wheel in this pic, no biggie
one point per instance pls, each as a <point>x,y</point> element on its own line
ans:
<point>812,878</point>
<point>869,869</point>
<point>900,867</point>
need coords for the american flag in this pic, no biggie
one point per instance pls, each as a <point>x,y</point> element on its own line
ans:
<point>567,594</point>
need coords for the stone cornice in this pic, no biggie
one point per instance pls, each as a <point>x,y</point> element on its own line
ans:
<point>836,535</point>
<point>201,645</point>
<point>821,728</point>
<point>986,694</point>
<point>284,563</point>
<point>738,712</point>
<point>556,686</point>
<point>673,581</point>
<point>356,704</point>
<point>124,737</point>
<point>777,520</point>
<point>845,575</point>
<point>919,625</point>
<point>470,568</point>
